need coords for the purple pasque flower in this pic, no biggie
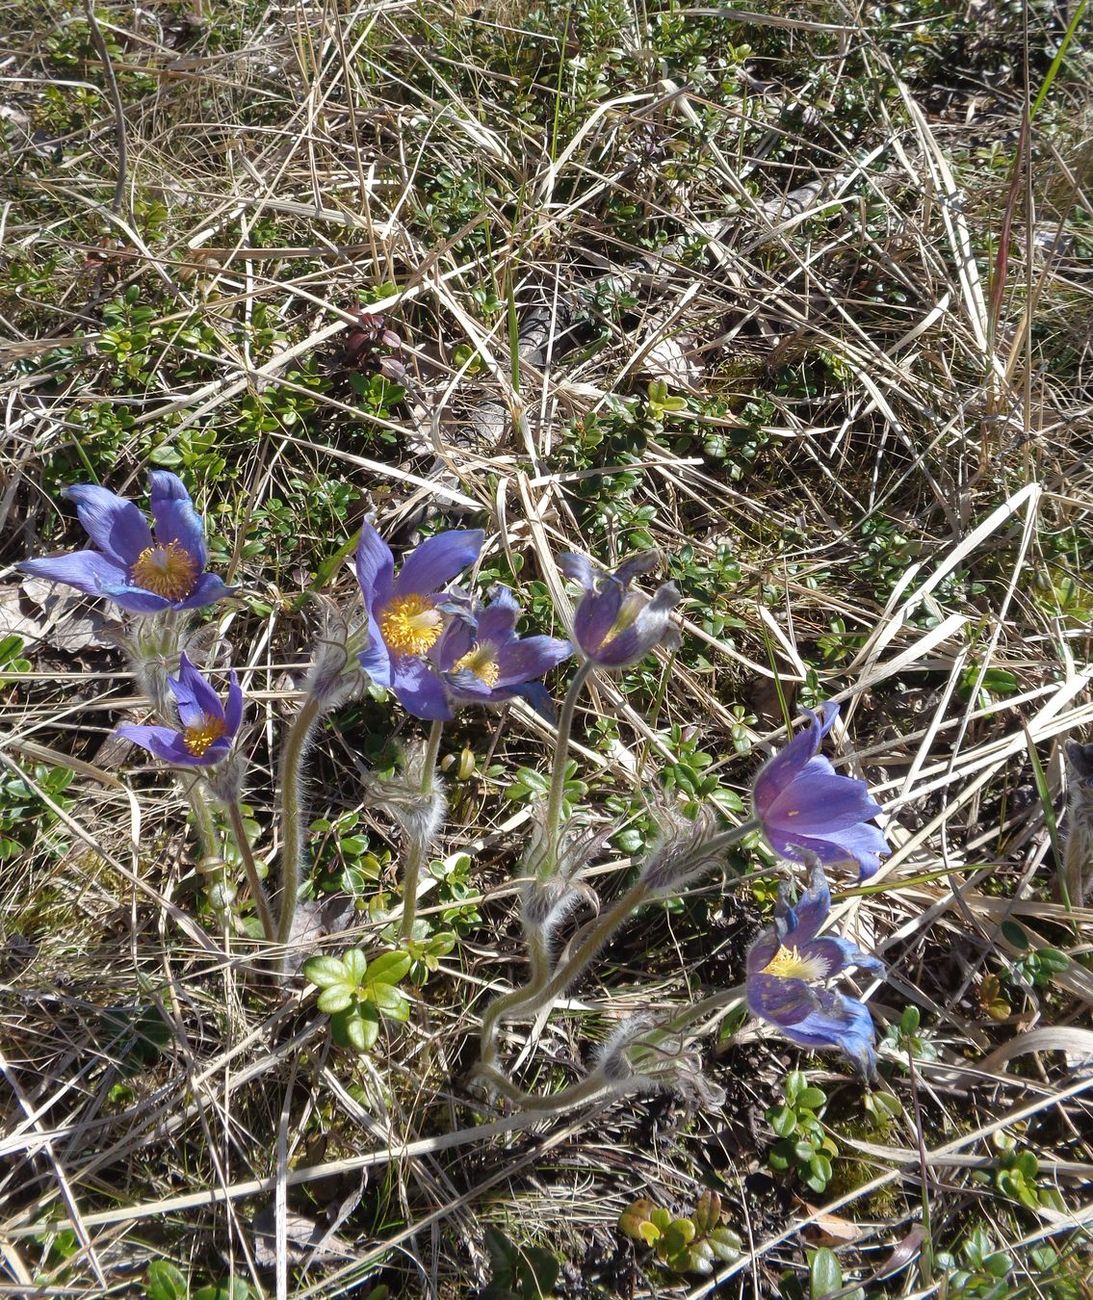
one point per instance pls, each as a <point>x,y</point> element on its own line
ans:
<point>407,614</point>
<point>483,661</point>
<point>144,570</point>
<point>615,626</point>
<point>785,971</point>
<point>208,727</point>
<point>807,809</point>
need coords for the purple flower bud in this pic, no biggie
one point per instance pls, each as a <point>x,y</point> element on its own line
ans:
<point>144,570</point>
<point>208,727</point>
<point>806,809</point>
<point>786,970</point>
<point>615,626</point>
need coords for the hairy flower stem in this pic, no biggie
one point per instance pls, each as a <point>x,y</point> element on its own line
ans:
<point>549,862</point>
<point>292,812</point>
<point>258,893</point>
<point>203,819</point>
<point>533,997</point>
<point>587,1089</point>
<point>418,843</point>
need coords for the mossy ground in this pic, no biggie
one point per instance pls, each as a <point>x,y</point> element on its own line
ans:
<point>854,414</point>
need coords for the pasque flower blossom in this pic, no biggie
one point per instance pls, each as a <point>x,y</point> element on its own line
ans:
<point>144,570</point>
<point>407,614</point>
<point>483,661</point>
<point>615,626</point>
<point>786,969</point>
<point>806,809</point>
<point>208,726</point>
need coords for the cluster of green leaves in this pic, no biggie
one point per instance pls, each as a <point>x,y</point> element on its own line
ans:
<point>688,774</point>
<point>357,994</point>
<point>165,1281</point>
<point>802,1146</point>
<point>532,786</point>
<point>978,1271</point>
<point>691,1243</point>
<point>1018,1176</point>
<point>24,815</point>
<point>907,1037</point>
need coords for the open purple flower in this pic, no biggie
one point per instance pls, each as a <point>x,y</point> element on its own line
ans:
<point>407,614</point>
<point>144,570</point>
<point>785,971</point>
<point>807,809</point>
<point>483,661</point>
<point>208,727</point>
<point>613,625</point>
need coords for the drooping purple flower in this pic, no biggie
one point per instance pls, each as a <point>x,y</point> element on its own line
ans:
<point>615,626</point>
<point>786,968</point>
<point>406,614</point>
<point>807,809</point>
<point>483,661</point>
<point>144,570</point>
<point>208,726</point>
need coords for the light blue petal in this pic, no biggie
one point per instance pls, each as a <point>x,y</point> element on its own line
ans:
<point>115,525</point>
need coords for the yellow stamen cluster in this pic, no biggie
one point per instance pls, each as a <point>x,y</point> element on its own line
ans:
<point>200,735</point>
<point>788,963</point>
<point>410,624</point>
<point>480,661</point>
<point>170,571</point>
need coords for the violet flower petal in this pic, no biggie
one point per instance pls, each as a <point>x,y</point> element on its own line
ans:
<point>88,571</point>
<point>420,691</point>
<point>164,743</point>
<point>115,525</point>
<point>375,567</point>
<point>434,563</point>
<point>176,520</point>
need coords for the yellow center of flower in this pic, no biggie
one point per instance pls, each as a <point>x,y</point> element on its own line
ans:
<point>411,624</point>
<point>480,661</point>
<point>200,735</point>
<point>170,571</point>
<point>787,963</point>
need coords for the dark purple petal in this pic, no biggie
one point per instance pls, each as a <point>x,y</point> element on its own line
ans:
<point>497,622</point>
<point>375,566</point>
<point>135,599</point>
<point>595,616</point>
<point>376,659</point>
<point>195,696</point>
<point>840,955</point>
<point>433,564</point>
<point>780,769</point>
<point>840,1022</point>
<point>420,690</point>
<point>643,562</point>
<point>115,525</point>
<point>578,568</point>
<point>457,640</point>
<point>817,804</point>
<point>648,628</point>
<point>468,687</point>
<point>233,710</point>
<point>861,845</point>
<point>163,742</point>
<point>811,911</point>
<point>87,571</point>
<point>537,696</point>
<point>781,1001</point>
<point>529,657</point>
<point>762,952</point>
<point>176,520</point>
<point>210,588</point>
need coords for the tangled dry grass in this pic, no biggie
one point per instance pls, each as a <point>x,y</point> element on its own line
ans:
<point>800,296</point>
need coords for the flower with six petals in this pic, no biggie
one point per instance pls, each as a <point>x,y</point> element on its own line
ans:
<point>807,810</point>
<point>484,661</point>
<point>208,726</point>
<point>615,626</point>
<point>144,570</point>
<point>786,969</point>
<point>407,614</point>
